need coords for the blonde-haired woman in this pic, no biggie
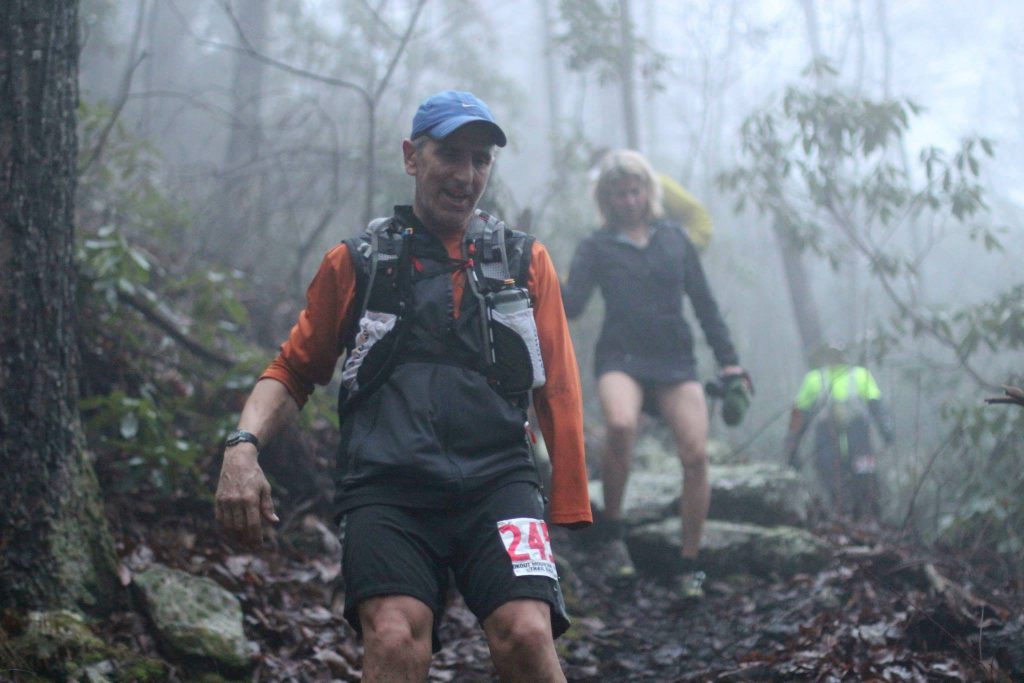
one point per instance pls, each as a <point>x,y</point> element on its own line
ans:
<point>644,265</point>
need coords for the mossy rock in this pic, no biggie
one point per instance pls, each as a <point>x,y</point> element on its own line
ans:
<point>60,645</point>
<point>195,618</point>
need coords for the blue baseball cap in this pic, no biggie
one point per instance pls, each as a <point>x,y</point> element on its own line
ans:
<point>442,114</point>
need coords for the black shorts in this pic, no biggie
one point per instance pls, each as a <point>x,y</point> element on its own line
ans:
<point>650,373</point>
<point>496,547</point>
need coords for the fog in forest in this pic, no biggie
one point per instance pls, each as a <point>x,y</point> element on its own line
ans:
<point>268,131</point>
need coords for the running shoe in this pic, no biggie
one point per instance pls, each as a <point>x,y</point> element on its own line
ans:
<point>691,585</point>
<point>619,563</point>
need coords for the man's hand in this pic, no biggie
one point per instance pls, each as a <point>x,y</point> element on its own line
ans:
<point>243,496</point>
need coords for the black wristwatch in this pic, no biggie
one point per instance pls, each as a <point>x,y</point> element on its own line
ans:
<point>238,436</point>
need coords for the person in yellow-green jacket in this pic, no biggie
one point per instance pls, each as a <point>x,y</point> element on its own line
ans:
<point>841,400</point>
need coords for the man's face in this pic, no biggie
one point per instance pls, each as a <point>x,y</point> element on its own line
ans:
<point>629,202</point>
<point>451,174</point>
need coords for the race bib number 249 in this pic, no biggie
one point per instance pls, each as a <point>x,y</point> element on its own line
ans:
<point>529,547</point>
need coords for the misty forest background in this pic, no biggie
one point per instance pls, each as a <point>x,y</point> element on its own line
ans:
<point>173,171</point>
<point>861,161</point>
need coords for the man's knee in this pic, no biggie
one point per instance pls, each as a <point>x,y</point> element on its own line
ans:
<point>523,648</point>
<point>527,636</point>
<point>391,636</point>
<point>396,629</point>
<point>521,630</point>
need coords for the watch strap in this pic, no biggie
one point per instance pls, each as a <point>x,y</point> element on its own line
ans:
<point>239,436</point>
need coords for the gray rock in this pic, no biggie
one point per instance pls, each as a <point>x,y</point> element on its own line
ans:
<point>758,493</point>
<point>649,497</point>
<point>195,617</point>
<point>755,493</point>
<point>728,548</point>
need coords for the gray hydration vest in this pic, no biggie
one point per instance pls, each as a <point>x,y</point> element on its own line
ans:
<point>403,288</point>
<point>430,403</point>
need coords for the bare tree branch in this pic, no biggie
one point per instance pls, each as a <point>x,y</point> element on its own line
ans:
<point>380,20</point>
<point>134,60</point>
<point>171,328</point>
<point>905,308</point>
<point>196,101</point>
<point>371,138</point>
<point>1014,395</point>
<point>248,49</point>
<point>370,99</point>
<point>302,252</point>
<point>398,51</point>
<point>920,481</point>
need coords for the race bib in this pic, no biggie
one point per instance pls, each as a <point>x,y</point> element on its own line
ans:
<point>528,546</point>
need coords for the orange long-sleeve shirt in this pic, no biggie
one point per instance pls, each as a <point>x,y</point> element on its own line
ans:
<point>311,352</point>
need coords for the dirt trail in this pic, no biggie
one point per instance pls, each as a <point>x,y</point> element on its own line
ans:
<point>878,611</point>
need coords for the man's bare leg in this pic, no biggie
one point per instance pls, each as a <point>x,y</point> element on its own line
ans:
<point>521,642</point>
<point>396,639</point>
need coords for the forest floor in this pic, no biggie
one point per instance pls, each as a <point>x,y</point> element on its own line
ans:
<point>879,611</point>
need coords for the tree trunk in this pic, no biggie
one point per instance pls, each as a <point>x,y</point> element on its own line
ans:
<point>627,75</point>
<point>371,161</point>
<point>56,550</point>
<point>919,292</point>
<point>808,320</point>
<point>243,208</point>
<point>553,94</point>
<point>649,80</point>
<point>805,311</point>
<point>712,142</point>
<point>811,22</point>
<point>882,10</point>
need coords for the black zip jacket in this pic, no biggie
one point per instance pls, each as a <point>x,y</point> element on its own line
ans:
<point>643,292</point>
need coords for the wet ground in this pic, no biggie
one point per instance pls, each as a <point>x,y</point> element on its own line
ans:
<point>879,611</point>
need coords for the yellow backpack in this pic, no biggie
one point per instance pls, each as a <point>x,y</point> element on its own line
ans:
<point>685,209</point>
